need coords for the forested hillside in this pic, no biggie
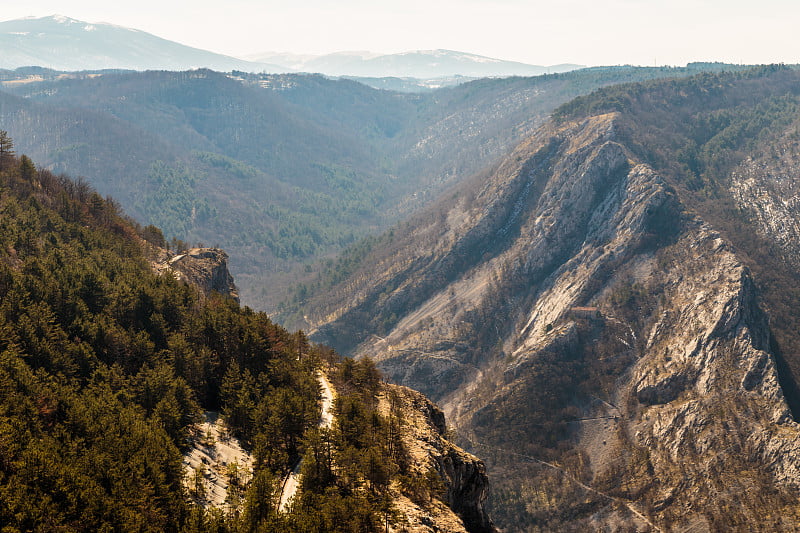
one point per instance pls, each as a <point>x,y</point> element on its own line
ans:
<point>280,170</point>
<point>106,368</point>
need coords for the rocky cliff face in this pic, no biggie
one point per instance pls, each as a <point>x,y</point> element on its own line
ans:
<point>765,186</point>
<point>466,485</point>
<point>205,268</point>
<point>601,345</point>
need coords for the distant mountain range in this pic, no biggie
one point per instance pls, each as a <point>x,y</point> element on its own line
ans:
<point>414,64</point>
<point>62,43</point>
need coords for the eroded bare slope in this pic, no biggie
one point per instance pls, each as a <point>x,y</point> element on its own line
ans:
<point>601,345</point>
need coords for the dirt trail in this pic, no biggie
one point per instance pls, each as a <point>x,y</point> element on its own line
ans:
<point>292,481</point>
<point>575,480</point>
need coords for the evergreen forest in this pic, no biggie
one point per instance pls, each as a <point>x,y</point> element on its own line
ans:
<point>106,366</point>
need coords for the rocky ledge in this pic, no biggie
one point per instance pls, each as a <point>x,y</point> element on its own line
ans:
<point>205,268</point>
<point>465,483</point>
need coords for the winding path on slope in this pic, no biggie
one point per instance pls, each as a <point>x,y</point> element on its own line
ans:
<point>292,481</point>
<point>578,482</point>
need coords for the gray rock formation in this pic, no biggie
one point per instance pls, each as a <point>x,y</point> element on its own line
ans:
<point>657,413</point>
<point>466,485</point>
<point>205,268</point>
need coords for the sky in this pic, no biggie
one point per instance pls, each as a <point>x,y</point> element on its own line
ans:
<point>586,32</point>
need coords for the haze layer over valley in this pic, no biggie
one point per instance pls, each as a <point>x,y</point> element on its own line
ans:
<point>280,170</point>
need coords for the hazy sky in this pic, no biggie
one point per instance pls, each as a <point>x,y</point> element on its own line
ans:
<point>590,32</point>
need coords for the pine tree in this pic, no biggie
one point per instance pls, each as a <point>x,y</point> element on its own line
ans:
<point>27,170</point>
<point>6,150</point>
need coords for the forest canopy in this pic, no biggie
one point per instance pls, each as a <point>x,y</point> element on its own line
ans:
<point>105,366</point>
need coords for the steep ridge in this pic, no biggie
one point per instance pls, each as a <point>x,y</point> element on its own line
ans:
<point>464,483</point>
<point>592,325</point>
<point>291,482</point>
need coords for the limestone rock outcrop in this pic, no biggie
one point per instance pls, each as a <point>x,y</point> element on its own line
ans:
<point>205,268</point>
<point>655,411</point>
<point>466,485</point>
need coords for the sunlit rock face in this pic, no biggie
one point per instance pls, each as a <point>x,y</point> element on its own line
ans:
<point>205,268</point>
<point>597,341</point>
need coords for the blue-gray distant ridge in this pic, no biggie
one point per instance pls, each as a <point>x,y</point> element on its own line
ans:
<point>420,64</point>
<point>62,43</point>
